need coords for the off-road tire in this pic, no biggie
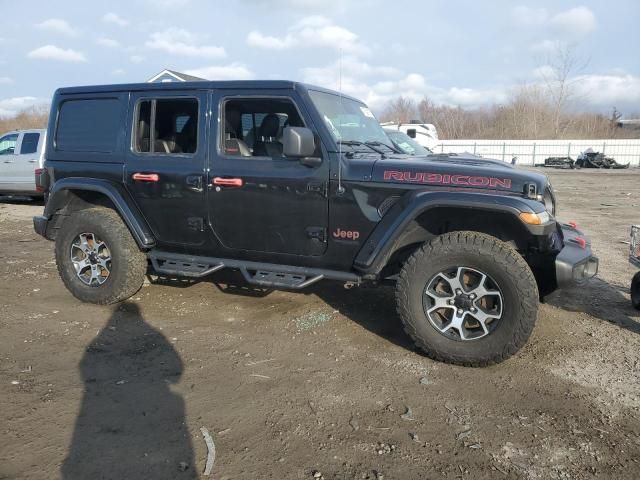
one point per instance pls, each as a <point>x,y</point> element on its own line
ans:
<point>635,291</point>
<point>128,263</point>
<point>490,256</point>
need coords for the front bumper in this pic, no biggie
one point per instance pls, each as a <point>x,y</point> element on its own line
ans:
<point>575,263</point>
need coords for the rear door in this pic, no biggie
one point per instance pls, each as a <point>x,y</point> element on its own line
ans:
<point>165,164</point>
<point>8,148</point>
<point>259,200</point>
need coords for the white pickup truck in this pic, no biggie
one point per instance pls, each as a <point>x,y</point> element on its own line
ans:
<point>21,153</point>
<point>423,133</point>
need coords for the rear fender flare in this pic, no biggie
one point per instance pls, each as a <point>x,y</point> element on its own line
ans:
<point>386,236</point>
<point>60,193</point>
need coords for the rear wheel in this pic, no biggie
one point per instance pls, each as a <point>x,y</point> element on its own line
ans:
<point>97,258</point>
<point>635,291</point>
<point>467,298</point>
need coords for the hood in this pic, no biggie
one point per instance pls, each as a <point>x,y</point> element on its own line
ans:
<point>457,171</point>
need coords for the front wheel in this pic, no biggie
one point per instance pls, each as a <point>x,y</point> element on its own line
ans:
<point>97,258</point>
<point>467,298</point>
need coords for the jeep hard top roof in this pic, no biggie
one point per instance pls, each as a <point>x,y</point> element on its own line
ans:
<point>200,85</point>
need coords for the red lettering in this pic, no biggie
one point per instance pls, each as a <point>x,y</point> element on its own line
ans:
<point>460,179</point>
<point>478,181</point>
<point>432,178</point>
<point>417,177</point>
<point>393,175</point>
<point>500,182</point>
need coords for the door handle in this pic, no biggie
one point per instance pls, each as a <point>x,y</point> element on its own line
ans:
<point>228,182</point>
<point>32,161</point>
<point>8,161</point>
<point>145,177</point>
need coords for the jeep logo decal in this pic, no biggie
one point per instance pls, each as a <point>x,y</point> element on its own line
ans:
<point>446,179</point>
<point>346,234</point>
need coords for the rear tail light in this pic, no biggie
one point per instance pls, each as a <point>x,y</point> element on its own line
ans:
<point>41,180</point>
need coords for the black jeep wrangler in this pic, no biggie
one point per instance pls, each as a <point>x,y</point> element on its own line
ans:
<point>291,184</point>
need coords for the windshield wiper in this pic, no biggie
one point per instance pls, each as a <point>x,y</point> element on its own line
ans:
<point>356,143</point>
<point>377,144</point>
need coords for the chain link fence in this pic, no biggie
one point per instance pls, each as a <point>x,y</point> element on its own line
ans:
<point>531,152</point>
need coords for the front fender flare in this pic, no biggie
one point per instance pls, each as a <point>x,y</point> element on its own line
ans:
<point>122,201</point>
<point>381,244</point>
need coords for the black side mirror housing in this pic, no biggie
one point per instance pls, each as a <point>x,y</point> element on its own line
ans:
<point>298,142</point>
<point>411,132</point>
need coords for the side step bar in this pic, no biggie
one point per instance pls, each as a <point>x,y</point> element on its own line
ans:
<point>257,273</point>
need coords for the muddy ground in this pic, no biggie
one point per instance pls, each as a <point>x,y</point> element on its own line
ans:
<point>290,384</point>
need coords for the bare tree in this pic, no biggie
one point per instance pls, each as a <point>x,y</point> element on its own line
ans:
<point>401,110</point>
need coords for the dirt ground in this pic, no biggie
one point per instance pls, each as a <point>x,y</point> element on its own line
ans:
<point>291,384</point>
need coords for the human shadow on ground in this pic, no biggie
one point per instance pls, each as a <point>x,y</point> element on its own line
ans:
<point>601,300</point>
<point>130,423</point>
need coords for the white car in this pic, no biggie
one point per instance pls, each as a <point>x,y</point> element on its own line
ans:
<point>423,133</point>
<point>21,153</point>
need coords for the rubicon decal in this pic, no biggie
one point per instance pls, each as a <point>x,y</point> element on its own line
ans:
<point>346,234</point>
<point>446,179</point>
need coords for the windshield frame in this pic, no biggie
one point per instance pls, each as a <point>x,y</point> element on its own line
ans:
<point>348,105</point>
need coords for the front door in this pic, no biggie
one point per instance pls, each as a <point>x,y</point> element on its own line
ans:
<point>8,158</point>
<point>165,168</point>
<point>260,200</point>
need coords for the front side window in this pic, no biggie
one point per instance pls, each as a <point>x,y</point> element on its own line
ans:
<point>8,144</point>
<point>29,143</point>
<point>166,126</point>
<point>252,127</point>
<point>347,119</point>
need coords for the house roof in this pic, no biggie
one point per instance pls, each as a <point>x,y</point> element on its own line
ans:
<point>179,76</point>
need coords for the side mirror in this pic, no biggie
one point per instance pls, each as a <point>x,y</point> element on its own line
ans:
<point>411,132</point>
<point>298,142</point>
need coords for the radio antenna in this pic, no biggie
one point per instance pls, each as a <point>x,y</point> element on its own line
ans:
<point>340,189</point>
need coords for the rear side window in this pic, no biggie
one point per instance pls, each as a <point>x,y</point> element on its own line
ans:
<point>88,125</point>
<point>8,144</point>
<point>29,143</point>
<point>166,126</point>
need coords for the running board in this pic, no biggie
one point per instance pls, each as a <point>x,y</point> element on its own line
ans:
<point>257,273</point>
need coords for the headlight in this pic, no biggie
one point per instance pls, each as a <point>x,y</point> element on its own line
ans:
<point>549,202</point>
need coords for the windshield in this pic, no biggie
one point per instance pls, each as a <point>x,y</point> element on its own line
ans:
<point>346,119</point>
<point>407,144</point>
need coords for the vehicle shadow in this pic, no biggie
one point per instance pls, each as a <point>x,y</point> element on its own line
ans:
<point>19,200</point>
<point>598,299</point>
<point>130,423</point>
<point>372,308</point>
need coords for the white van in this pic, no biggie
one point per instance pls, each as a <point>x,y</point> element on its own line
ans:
<point>21,153</point>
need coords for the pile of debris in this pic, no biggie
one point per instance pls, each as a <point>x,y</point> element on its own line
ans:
<point>587,159</point>
<point>591,159</point>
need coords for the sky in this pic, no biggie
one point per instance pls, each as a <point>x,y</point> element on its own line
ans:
<point>457,52</point>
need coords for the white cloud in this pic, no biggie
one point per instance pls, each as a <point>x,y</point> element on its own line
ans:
<point>168,3</point>
<point>575,21</point>
<point>176,41</point>
<point>136,59</point>
<point>608,90</point>
<point>115,19</point>
<point>57,25</point>
<point>51,52</point>
<point>118,72</point>
<point>107,42</point>
<point>376,85</point>
<point>6,80</point>
<point>529,16</point>
<point>545,46</point>
<point>233,71</point>
<point>10,107</point>
<point>544,72</point>
<point>311,31</point>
